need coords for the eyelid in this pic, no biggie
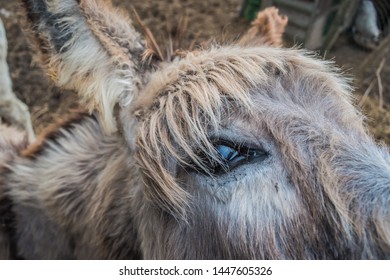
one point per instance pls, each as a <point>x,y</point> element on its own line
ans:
<point>243,147</point>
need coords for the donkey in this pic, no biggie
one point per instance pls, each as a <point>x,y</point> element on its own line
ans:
<point>240,151</point>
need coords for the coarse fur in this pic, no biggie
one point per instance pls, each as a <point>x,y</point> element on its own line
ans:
<point>12,141</point>
<point>141,186</point>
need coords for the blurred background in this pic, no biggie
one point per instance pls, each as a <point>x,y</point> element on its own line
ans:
<point>353,33</point>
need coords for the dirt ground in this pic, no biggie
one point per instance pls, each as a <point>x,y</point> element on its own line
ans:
<point>213,18</point>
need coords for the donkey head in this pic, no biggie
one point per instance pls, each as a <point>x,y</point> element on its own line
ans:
<point>245,151</point>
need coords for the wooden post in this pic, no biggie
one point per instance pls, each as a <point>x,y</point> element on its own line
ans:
<point>12,110</point>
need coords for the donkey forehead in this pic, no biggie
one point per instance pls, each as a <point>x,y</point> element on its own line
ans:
<point>237,71</point>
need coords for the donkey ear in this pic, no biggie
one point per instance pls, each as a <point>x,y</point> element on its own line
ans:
<point>90,47</point>
<point>267,29</point>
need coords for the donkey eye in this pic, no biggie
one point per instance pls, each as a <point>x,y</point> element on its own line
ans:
<point>227,153</point>
<point>233,155</point>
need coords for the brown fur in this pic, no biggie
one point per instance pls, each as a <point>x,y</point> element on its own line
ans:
<point>112,54</point>
<point>267,29</point>
<point>53,131</point>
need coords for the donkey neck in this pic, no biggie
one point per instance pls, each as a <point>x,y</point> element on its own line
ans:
<point>77,186</point>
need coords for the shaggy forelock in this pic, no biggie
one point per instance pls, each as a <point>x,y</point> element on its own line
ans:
<point>187,100</point>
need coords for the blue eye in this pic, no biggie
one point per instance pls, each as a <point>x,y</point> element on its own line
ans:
<point>227,153</point>
<point>233,155</point>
